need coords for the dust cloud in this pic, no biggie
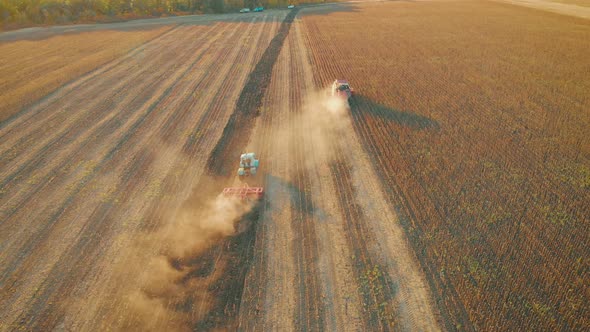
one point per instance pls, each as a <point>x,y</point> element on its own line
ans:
<point>194,230</point>
<point>322,120</point>
<point>171,292</point>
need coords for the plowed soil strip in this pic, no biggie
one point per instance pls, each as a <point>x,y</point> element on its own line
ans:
<point>405,301</point>
<point>196,143</point>
<point>220,167</point>
<point>376,286</point>
<point>310,315</point>
<point>272,267</point>
<point>242,120</point>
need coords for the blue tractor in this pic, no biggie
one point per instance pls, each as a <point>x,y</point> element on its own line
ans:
<point>248,164</point>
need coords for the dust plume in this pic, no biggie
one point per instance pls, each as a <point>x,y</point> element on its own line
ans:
<point>322,119</point>
<point>174,288</point>
<point>186,283</point>
<point>194,229</point>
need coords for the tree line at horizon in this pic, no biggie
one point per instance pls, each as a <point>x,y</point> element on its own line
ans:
<point>65,11</point>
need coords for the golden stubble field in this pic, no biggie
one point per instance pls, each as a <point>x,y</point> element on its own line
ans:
<point>30,69</point>
<point>92,172</point>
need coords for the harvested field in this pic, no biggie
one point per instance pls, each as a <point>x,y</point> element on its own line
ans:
<point>32,69</point>
<point>94,171</point>
<point>479,132</point>
<point>448,195</point>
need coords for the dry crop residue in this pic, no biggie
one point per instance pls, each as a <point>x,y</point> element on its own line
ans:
<point>91,172</point>
<point>32,69</point>
<point>477,130</point>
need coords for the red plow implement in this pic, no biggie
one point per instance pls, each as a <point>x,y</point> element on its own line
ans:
<point>244,192</point>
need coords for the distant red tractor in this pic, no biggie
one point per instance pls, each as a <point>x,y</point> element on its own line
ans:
<point>341,88</point>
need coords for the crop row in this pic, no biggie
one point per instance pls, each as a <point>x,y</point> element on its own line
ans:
<point>495,227</point>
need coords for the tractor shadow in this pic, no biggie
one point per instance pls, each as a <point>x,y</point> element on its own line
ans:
<point>362,106</point>
<point>235,254</point>
<point>220,272</point>
<point>278,190</point>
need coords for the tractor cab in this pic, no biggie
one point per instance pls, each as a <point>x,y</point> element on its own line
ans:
<point>248,164</point>
<point>341,88</point>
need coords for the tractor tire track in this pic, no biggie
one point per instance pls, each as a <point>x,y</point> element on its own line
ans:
<point>379,281</point>
<point>311,312</point>
<point>247,107</point>
<point>405,207</point>
<point>272,263</point>
<point>71,136</point>
<point>34,129</point>
<point>106,94</point>
<point>58,150</point>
